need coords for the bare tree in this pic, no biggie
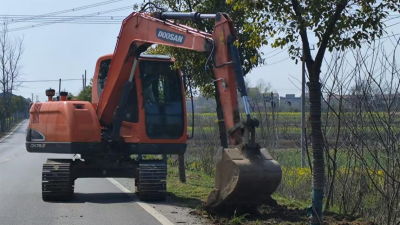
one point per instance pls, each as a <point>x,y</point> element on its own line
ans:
<point>361,133</point>
<point>378,146</point>
<point>11,50</point>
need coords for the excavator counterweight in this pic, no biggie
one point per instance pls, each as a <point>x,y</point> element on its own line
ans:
<point>138,109</point>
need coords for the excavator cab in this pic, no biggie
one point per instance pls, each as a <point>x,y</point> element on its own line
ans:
<point>162,99</point>
<point>155,102</point>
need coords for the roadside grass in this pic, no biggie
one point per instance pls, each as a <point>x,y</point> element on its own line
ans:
<point>194,193</point>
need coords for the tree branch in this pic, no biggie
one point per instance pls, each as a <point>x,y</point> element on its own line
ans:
<point>189,5</point>
<point>303,34</point>
<point>329,30</point>
<point>195,4</point>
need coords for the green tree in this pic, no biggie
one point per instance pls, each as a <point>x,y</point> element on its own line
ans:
<point>193,63</point>
<point>19,107</point>
<point>18,104</point>
<point>86,93</point>
<point>70,95</point>
<point>2,114</point>
<point>11,50</point>
<point>337,24</point>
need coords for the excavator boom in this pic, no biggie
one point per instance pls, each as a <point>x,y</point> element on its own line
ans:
<point>246,174</point>
<point>140,30</point>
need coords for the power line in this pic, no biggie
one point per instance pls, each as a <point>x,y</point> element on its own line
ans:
<point>21,16</point>
<point>272,51</point>
<point>277,53</point>
<point>314,44</point>
<point>79,22</point>
<point>270,64</point>
<point>62,18</point>
<point>391,25</point>
<point>71,10</point>
<point>394,17</point>
<point>69,19</point>
<point>29,81</point>
<point>393,35</point>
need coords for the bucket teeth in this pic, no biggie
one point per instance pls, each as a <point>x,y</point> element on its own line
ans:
<point>246,180</point>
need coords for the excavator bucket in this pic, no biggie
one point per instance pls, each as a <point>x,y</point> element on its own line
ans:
<point>243,178</point>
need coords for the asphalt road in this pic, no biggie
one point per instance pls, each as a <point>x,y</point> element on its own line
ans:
<point>96,201</point>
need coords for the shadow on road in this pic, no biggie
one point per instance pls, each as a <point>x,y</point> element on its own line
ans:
<point>110,198</point>
<point>99,198</point>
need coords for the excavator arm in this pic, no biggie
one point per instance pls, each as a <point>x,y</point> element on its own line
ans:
<point>140,30</point>
<point>246,174</point>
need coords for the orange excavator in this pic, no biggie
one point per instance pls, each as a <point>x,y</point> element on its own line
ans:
<point>138,108</point>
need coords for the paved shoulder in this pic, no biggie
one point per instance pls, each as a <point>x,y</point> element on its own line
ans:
<point>174,213</point>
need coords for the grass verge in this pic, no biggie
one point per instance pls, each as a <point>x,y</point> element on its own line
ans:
<point>289,211</point>
<point>192,193</point>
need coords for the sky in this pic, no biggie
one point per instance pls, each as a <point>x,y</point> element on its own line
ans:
<point>64,51</point>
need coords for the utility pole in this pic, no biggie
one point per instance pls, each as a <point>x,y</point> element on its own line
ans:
<point>32,97</point>
<point>83,82</point>
<point>277,121</point>
<point>85,79</point>
<point>303,110</point>
<point>59,88</point>
<point>265,100</point>
<point>273,104</point>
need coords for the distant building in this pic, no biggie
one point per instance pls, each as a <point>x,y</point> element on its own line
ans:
<point>257,101</point>
<point>375,102</point>
<point>290,103</point>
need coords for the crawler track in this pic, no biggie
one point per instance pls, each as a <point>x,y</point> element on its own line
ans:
<point>152,184</point>
<point>57,182</point>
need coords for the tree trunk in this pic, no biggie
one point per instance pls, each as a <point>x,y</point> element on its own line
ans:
<point>317,141</point>
<point>4,119</point>
<point>3,124</point>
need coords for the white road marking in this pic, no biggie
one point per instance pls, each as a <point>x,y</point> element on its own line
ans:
<point>162,219</point>
<point>8,135</point>
<point>6,160</point>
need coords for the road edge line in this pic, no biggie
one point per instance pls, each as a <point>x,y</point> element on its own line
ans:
<point>158,216</point>
<point>8,135</point>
